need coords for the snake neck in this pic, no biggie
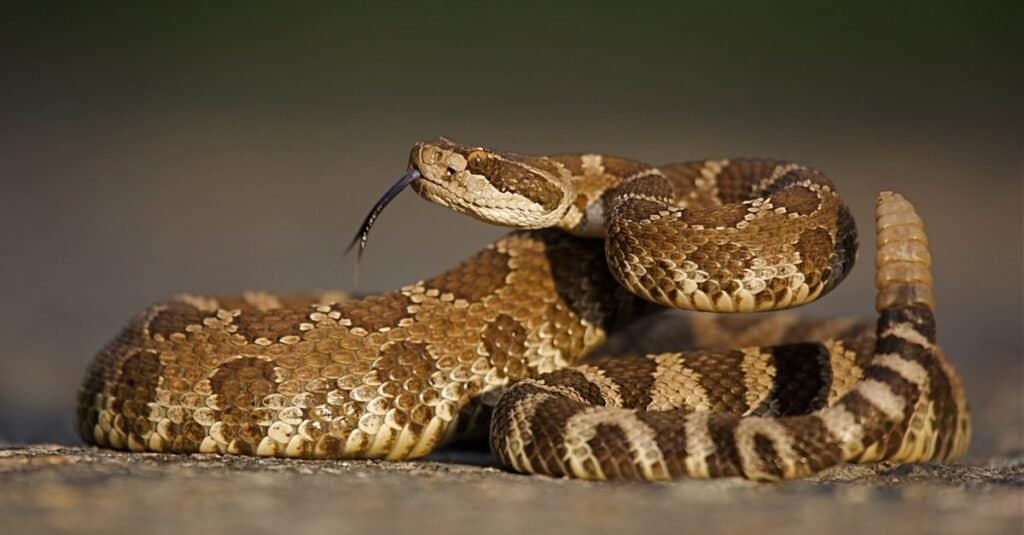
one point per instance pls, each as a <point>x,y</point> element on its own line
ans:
<point>595,185</point>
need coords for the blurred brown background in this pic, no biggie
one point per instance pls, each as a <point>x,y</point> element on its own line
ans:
<point>144,152</point>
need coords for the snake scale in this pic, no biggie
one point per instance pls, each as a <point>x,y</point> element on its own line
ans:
<point>602,241</point>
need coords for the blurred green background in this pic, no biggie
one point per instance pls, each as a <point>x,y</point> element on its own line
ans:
<point>147,151</point>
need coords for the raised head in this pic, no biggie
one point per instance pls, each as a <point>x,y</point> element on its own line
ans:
<point>501,188</point>
<point>497,187</point>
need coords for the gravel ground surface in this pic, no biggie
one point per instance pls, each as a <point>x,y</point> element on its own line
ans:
<point>149,151</point>
<point>85,490</point>
<point>68,488</point>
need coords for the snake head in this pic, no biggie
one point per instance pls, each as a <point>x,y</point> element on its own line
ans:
<point>499,188</point>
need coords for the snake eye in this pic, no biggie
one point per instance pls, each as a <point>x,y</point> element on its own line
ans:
<point>476,156</point>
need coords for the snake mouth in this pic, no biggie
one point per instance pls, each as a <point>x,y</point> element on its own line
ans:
<point>439,190</point>
<point>363,235</point>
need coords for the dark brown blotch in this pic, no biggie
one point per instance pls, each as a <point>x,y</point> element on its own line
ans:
<point>764,449</point>
<point>504,338</point>
<point>270,324</point>
<point>632,210</point>
<point>739,180</point>
<point>670,435</point>
<point>634,375</point>
<point>719,216</point>
<point>135,385</point>
<point>375,312</point>
<point>582,279</point>
<point>101,374</point>
<point>611,447</point>
<point>720,377</point>
<point>242,383</point>
<point>797,199</point>
<point>576,381</point>
<point>725,462</point>
<point>174,317</point>
<point>653,186</point>
<point>475,278</point>
<point>405,360</point>
<point>547,427</point>
<point>815,247</point>
<point>683,177</point>
<point>622,167</point>
<point>513,177</point>
<point>816,447</point>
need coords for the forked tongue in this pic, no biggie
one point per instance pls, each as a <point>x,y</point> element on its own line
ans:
<point>364,230</point>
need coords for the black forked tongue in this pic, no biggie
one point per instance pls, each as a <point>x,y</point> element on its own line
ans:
<point>364,230</point>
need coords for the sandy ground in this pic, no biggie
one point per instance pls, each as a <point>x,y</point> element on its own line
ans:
<point>84,490</point>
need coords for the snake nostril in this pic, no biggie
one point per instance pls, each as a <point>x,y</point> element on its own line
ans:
<point>429,156</point>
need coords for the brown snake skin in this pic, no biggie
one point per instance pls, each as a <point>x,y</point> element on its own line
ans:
<point>395,375</point>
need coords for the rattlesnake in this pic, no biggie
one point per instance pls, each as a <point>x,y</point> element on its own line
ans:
<point>502,334</point>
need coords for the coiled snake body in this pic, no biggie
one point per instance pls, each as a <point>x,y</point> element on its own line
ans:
<point>394,375</point>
